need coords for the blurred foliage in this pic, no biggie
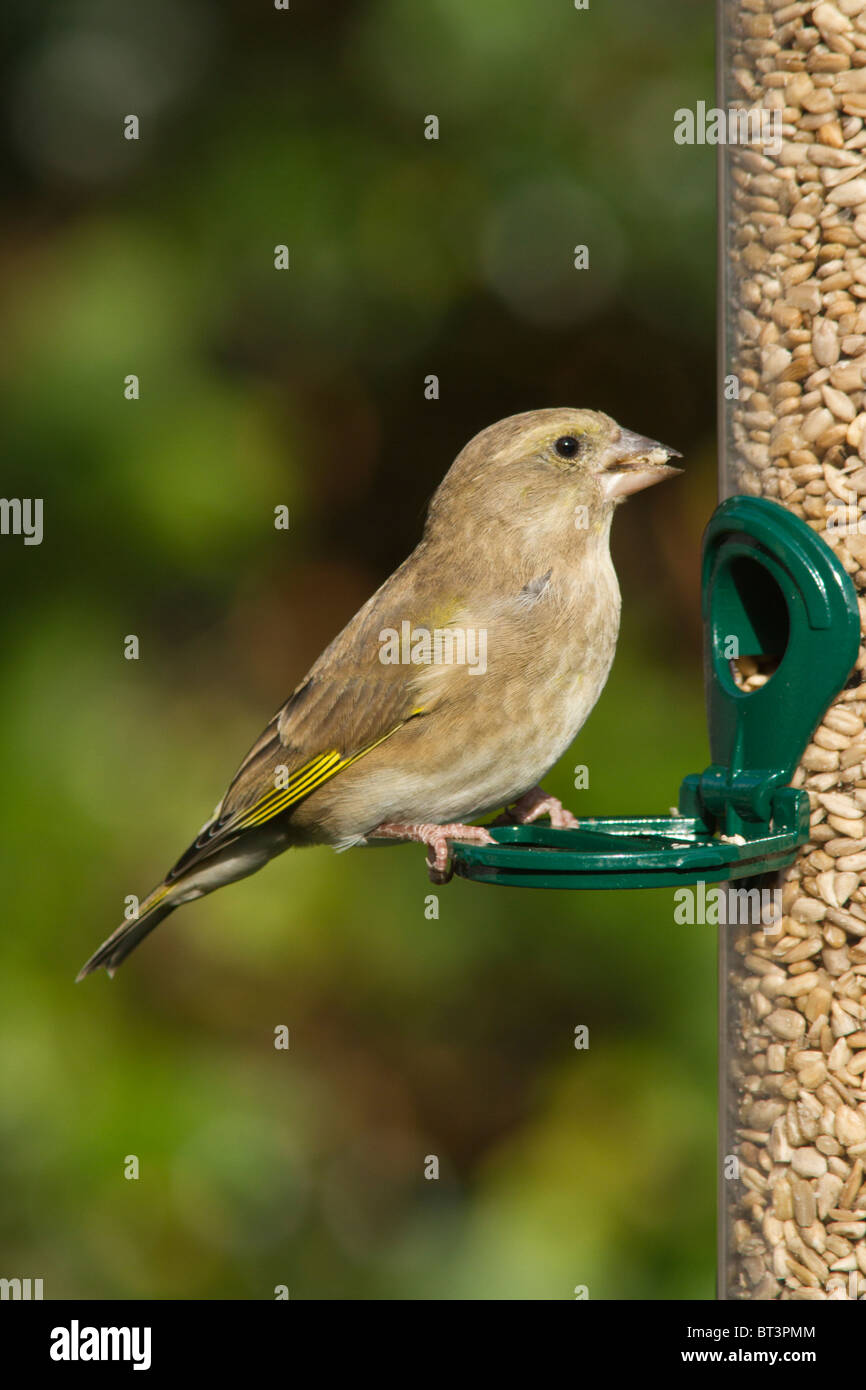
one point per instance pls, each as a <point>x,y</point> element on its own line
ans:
<point>408,1037</point>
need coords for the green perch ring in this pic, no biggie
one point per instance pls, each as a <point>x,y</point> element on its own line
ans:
<point>772,589</point>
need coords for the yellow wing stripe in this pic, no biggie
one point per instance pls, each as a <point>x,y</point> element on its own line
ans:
<point>298,787</point>
<point>156,897</point>
<point>302,782</point>
<point>299,780</point>
<point>306,780</point>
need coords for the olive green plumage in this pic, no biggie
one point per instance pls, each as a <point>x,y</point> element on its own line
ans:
<point>515,554</point>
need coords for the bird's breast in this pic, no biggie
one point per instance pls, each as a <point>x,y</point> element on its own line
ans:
<point>494,730</point>
<point>569,651</point>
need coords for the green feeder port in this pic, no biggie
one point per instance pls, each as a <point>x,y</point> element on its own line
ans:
<point>772,589</point>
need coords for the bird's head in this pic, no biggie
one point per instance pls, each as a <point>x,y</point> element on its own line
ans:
<point>534,470</point>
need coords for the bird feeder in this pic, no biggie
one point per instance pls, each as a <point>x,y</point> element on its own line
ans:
<point>783,800</point>
<point>771,589</point>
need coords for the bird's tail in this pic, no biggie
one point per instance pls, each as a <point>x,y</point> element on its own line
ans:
<point>155,908</point>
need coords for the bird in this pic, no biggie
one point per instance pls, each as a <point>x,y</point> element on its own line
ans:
<point>459,683</point>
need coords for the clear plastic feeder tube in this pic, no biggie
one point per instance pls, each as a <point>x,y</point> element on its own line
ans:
<point>792,205</point>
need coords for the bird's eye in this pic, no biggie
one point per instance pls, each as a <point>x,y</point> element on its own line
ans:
<point>567,446</point>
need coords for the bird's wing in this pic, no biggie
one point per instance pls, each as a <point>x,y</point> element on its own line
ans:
<point>348,704</point>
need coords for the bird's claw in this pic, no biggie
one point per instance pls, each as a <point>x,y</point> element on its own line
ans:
<point>534,804</point>
<point>436,838</point>
<point>440,869</point>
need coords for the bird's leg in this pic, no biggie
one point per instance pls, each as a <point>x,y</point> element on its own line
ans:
<point>533,804</point>
<point>436,838</point>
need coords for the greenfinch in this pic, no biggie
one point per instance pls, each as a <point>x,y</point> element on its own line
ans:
<point>459,684</point>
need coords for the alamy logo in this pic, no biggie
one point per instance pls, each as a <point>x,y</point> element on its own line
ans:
<point>443,646</point>
<point>23,1289</point>
<point>76,1343</point>
<point>844,518</point>
<point>22,516</point>
<point>716,907</point>
<point>757,125</point>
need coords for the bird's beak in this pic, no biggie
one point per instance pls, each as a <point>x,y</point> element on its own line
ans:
<point>634,462</point>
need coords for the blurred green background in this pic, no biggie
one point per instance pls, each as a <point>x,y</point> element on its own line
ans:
<point>409,1036</point>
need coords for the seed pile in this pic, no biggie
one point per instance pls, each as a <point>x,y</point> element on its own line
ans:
<point>796,342</point>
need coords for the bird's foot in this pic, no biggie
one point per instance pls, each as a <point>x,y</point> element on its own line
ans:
<point>436,838</point>
<point>536,803</point>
